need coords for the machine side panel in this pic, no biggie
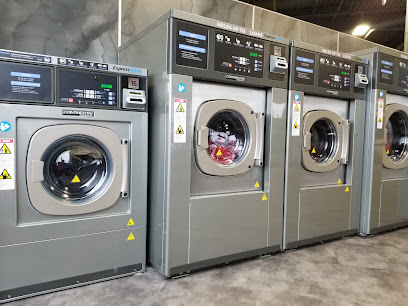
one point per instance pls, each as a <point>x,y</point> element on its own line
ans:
<point>394,195</point>
<point>323,211</point>
<point>81,255</point>
<point>154,44</point>
<point>219,226</point>
<point>293,156</point>
<point>274,172</point>
<point>354,177</point>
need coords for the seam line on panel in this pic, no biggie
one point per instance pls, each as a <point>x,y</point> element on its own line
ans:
<point>299,219</point>
<point>189,233</point>
<point>379,211</point>
<point>119,23</point>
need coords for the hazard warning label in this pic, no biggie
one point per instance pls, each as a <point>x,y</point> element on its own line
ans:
<point>131,237</point>
<point>7,169</point>
<point>296,116</point>
<point>380,113</point>
<point>179,120</point>
<point>76,179</point>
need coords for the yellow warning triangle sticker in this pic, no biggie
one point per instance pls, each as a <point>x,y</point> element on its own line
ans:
<point>130,222</point>
<point>5,150</point>
<point>339,181</point>
<point>347,189</point>
<point>264,197</point>
<point>388,151</point>
<point>381,105</point>
<point>296,108</point>
<point>179,130</point>
<point>76,179</point>
<point>314,150</point>
<point>5,175</point>
<point>256,184</point>
<point>131,237</point>
<point>295,126</point>
<point>180,108</point>
<point>219,153</point>
<point>379,119</point>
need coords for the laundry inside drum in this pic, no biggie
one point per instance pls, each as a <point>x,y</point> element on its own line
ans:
<point>228,137</point>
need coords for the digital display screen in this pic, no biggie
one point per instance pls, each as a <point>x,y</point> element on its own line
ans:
<point>334,73</point>
<point>304,68</point>
<point>25,83</point>
<point>86,88</point>
<point>403,74</point>
<point>386,70</point>
<point>238,54</point>
<point>191,46</point>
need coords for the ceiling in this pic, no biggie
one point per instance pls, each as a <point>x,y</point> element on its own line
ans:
<point>344,15</point>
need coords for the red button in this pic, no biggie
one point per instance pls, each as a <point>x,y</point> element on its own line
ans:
<point>70,100</point>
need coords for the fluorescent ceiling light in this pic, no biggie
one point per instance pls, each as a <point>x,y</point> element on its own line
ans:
<point>384,2</point>
<point>361,30</point>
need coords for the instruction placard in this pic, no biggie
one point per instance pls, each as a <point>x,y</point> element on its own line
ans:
<point>179,120</point>
<point>380,113</point>
<point>296,107</point>
<point>7,169</point>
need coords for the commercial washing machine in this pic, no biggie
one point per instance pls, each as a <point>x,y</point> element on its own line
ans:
<point>73,179</point>
<point>324,145</point>
<point>217,144</point>
<point>384,203</point>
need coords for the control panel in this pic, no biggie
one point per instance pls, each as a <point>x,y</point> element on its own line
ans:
<point>228,53</point>
<point>403,74</point>
<point>386,70</point>
<point>41,79</point>
<point>86,88</point>
<point>326,72</point>
<point>334,73</point>
<point>238,54</point>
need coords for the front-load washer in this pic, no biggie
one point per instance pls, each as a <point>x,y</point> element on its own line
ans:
<point>324,145</point>
<point>73,162</point>
<point>385,176</point>
<point>217,144</point>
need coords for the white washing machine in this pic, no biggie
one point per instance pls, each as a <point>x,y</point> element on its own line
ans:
<point>385,181</point>
<point>323,149</point>
<point>73,154</point>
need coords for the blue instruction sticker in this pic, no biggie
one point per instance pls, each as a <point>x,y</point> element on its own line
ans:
<point>181,87</point>
<point>5,126</point>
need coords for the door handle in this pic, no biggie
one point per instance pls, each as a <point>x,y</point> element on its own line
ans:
<point>259,144</point>
<point>202,138</point>
<point>124,190</point>
<point>385,135</point>
<point>37,168</point>
<point>307,141</point>
<point>346,141</point>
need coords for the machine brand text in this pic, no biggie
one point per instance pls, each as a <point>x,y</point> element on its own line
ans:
<point>68,112</point>
<point>126,69</point>
<point>333,92</point>
<point>235,78</point>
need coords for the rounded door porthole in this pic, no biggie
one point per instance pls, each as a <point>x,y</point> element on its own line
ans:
<point>228,138</point>
<point>397,137</point>
<point>324,140</point>
<point>76,168</point>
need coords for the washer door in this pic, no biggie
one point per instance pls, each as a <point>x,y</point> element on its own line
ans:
<point>322,139</point>
<point>396,136</point>
<point>75,169</point>
<point>228,138</point>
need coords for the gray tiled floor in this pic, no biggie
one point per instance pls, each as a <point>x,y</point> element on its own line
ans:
<point>352,271</point>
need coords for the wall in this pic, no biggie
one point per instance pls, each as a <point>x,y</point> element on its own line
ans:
<point>88,29</point>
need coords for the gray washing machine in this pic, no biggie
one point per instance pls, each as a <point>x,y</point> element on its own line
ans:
<point>217,144</point>
<point>73,162</point>
<point>323,148</point>
<point>385,181</point>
